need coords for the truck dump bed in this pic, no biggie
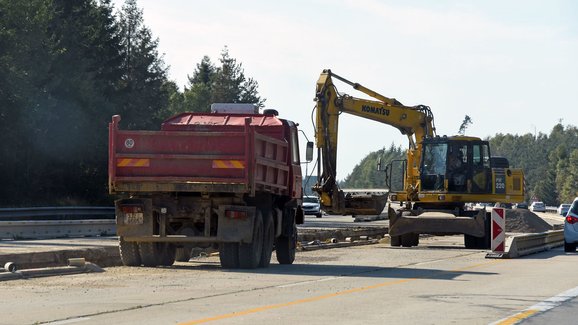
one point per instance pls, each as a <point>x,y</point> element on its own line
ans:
<point>196,152</point>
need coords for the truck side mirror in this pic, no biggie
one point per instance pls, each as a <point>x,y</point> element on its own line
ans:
<point>309,151</point>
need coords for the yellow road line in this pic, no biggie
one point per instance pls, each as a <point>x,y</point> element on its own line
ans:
<point>518,317</point>
<point>292,303</point>
<point>318,298</point>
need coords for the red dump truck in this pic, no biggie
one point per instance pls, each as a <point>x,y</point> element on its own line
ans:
<point>227,181</point>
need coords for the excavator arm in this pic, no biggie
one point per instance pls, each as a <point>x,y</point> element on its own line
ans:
<point>416,122</point>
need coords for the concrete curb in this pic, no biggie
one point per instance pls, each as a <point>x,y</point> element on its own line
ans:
<point>109,255</point>
<point>319,246</point>
<point>324,234</point>
<point>103,256</point>
<point>50,271</point>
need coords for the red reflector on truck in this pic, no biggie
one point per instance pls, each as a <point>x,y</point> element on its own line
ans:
<point>133,214</point>
<point>233,214</point>
<point>131,209</point>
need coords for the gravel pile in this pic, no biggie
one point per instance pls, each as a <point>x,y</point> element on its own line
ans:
<point>525,221</point>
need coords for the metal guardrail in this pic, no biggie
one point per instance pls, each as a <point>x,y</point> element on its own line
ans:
<point>53,213</point>
<point>56,222</point>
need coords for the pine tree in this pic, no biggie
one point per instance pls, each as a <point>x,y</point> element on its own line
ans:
<point>145,102</point>
<point>230,84</point>
<point>197,97</point>
<point>219,84</point>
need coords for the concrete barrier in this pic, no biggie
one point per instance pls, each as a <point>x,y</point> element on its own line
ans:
<point>522,245</point>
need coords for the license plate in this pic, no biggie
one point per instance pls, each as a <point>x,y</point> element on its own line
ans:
<point>133,218</point>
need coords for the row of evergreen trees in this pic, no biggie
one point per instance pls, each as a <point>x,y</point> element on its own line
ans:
<point>67,66</point>
<point>549,161</point>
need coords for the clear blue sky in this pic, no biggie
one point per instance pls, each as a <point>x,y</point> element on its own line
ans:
<point>512,66</point>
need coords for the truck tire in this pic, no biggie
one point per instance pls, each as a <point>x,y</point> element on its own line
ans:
<point>229,255</point>
<point>153,254</point>
<point>268,239</point>
<point>182,254</point>
<point>250,254</point>
<point>129,252</point>
<point>167,254</point>
<point>285,248</point>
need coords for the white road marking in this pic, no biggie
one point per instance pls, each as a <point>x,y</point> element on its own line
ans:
<point>68,321</point>
<point>309,282</point>
<point>540,307</point>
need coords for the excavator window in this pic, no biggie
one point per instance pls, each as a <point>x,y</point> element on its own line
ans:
<point>458,167</point>
<point>481,171</point>
<point>434,166</point>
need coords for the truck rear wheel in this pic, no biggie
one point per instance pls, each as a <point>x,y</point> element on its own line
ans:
<point>129,252</point>
<point>182,254</point>
<point>285,248</point>
<point>250,254</point>
<point>268,239</point>
<point>167,255</point>
<point>229,255</point>
<point>153,254</point>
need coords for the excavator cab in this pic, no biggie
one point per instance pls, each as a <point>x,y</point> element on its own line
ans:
<point>455,165</point>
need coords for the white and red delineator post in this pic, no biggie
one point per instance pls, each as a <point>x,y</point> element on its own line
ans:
<point>498,230</point>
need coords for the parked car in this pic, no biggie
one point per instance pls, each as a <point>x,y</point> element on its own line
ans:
<point>312,206</point>
<point>571,228</point>
<point>522,205</point>
<point>483,205</point>
<point>503,205</point>
<point>563,209</point>
<point>538,207</point>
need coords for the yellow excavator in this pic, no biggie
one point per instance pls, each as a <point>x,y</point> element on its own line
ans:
<point>432,185</point>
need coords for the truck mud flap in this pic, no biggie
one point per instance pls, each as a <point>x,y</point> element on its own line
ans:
<point>136,223</point>
<point>436,223</point>
<point>236,223</point>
